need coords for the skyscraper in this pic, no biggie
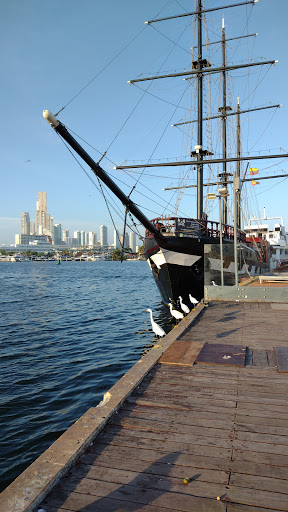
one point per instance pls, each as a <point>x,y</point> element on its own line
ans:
<point>25,223</point>
<point>32,227</point>
<point>116,239</point>
<point>103,236</point>
<point>57,234</point>
<point>124,242</point>
<point>83,239</point>
<point>41,213</point>
<point>77,236</point>
<point>132,241</point>
<point>91,239</point>
<point>44,222</point>
<point>65,235</point>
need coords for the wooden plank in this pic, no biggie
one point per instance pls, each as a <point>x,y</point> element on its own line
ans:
<point>260,457</point>
<point>181,352</point>
<point>190,391</point>
<point>202,419</point>
<point>262,428</point>
<point>155,455</point>
<point>271,358</point>
<point>259,469</point>
<point>128,497</point>
<point>260,498</point>
<point>259,357</point>
<point>182,405</point>
<point>101,476</point>
<point>175,352</point>
<point>261,447</point>
<point>75,502</point>
<point>166,446</point>
<point>232,355</point>
<point>186,399</point>
<point>259,482</point>
<point>171,437</point>
<point>160,426</point>
<point>235,507</point>
<point>262,438</point>
<point>114,461</point>
<point>254,409</point>
<point>192,353</point>
<point>281,354</point>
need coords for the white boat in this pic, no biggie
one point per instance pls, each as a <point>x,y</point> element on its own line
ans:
<point>272,230</point>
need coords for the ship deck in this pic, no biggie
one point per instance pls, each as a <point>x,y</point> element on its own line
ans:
<point>221,426</point>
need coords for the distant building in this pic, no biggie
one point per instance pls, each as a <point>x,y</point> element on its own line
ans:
<point>132,241</point>
<point>32,239</point>
<point>116,239</point>
<point>32,227</point>
<point>83,239</point>
<point>44,222</point>
<point>77,235</point>
<point>124,242</point>
<point>57,234</point>
<point>92,239</point>
<point>103,236</point>
<point>65,235</point>
<point>25,223</point>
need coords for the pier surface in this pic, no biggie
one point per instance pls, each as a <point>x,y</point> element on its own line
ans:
<point>205,430</point>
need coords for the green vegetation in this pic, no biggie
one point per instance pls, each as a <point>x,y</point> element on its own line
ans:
<point>116,255</point>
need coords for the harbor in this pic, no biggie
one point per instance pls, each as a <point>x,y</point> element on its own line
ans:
<point>198,423</point>
<point>158,387</point>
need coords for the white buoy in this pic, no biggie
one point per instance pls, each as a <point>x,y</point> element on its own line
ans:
<point>176,314</point>
<point>156,328</point>
<point>184,308</point>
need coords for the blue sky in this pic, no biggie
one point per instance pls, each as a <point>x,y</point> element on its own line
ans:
<point>51,49</point>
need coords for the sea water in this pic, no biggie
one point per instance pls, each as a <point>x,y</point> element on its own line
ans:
<point>67,333</point>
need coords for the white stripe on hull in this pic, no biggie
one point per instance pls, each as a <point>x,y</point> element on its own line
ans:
<point>164,256</point>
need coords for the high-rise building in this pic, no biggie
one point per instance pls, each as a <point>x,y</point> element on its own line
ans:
<point>103,236</point>
<point>132,241</point>
<point>25,223</point>
<point>91,239</point>
<point>77,236</point>
<point>41,212</point>
<point>116,239</point>
<point>32,227</point>
<point>83,239</point>
<point>124,242</point>
<point>57,234</point>
<point>65,235</point>
<point>44,222</point>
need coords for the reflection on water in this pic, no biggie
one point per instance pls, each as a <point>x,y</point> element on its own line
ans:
<point>68,333</point>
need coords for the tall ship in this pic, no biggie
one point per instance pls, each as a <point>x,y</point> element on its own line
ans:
<point>183,252</point>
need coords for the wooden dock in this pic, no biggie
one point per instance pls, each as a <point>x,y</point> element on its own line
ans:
<point>200,433</point>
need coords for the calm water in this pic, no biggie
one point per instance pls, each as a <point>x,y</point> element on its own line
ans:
<point>67,333</point>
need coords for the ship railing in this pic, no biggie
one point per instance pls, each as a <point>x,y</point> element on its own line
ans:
<point>179,227</point>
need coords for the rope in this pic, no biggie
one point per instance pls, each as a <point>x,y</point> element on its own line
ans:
<point>100,72</point>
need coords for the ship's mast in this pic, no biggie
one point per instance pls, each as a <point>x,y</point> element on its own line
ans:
<point>223,111</point>
<point>238,167</point>
<point>200,115</point>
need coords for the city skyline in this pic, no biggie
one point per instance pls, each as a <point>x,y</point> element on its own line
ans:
<point>48,233</point>
<point>37,76</point>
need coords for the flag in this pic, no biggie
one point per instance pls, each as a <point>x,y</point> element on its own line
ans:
<point>253,171</point>
<point>253,182</point>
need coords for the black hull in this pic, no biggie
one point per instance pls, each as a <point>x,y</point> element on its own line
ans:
<point>183,270</point>
<point>173,279</point>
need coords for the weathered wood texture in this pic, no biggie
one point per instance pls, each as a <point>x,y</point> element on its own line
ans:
<point>222,428</point>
